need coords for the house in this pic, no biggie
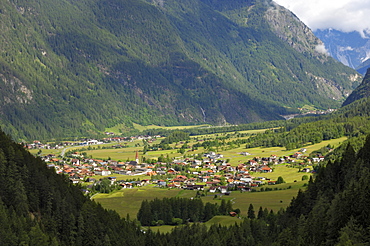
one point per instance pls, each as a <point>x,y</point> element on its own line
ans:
<point>171,171</point>
<point>74,181</point>
<point>246,179</point>
<point>123,172</point>
<point>161,183</point>
<point>181,177</point>
<point>102,172</point>
<point>112,180</point>
<point>223,189</point>
<point>126,185</point>
<point>212,189</point>
<point>205,178</point>
<point>244,188</point>
<point>265,169</point>
<point>233,214</point>
<point>306,170</point>
<point>195,187</point>
<point>209,183</point>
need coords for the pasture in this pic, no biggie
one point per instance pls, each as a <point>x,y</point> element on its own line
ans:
<point>219,220</point>
<point>233,154</point>
<point>128,201</point>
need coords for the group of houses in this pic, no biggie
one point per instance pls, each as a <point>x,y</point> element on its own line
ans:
<point>211,172</point>
<point>87,141</point>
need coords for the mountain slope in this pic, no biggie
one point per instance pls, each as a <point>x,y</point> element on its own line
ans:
<point>72,68</point>
<point>362,68</point>
<point>362,91</point>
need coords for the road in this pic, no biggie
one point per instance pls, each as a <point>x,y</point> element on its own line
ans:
<point>64,150</point>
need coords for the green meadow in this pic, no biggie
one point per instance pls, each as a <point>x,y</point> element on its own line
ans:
<point>219,220</point>
<point>232,154</point>
<point>128,201</point>
<point>117,129</point>
<point>142,128</point>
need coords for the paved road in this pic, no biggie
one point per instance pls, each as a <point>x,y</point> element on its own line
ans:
<point>64,150</point>
<point>76,146</point>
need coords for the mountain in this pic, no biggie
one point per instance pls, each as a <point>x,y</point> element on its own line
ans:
<point>352,49</point>
<point>73,68</point>
<point>363,67</point>
<point>362,91</point>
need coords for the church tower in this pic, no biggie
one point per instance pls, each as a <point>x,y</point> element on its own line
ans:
<point>137,157</point>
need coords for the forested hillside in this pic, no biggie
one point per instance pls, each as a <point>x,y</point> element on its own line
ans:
<point>73,68</point>
<point>362,91</point>
<point>39,207</point>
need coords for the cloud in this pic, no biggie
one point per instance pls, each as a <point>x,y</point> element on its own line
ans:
<point>348,48</point>
<point>321,49</point>
<point>343,15</point>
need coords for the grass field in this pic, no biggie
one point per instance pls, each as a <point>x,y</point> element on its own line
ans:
<point>222,220</point>
<point>142,128</point>
<point>128,201</point>
<point>117,128</point>
<point>233,155</point>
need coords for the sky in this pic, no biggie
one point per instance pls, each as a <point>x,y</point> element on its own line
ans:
<point>343,15</point>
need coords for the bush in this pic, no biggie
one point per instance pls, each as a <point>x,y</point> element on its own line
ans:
<point>177,221</point>
<point>280,180</point>
<point>304,177</point>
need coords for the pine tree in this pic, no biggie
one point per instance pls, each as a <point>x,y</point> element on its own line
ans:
<point>262,214</point>
<point>251,213</point>
<point>145,214</point>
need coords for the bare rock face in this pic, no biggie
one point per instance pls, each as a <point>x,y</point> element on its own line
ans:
<point>17,91</point>
<point>294,32</point>
<point>289,28</point>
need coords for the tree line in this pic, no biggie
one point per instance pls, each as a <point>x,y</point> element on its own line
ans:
<point>175,211</point>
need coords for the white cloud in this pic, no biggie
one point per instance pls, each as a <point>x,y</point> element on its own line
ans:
<point>343,15</point>
<point>348,48</point>
<point>321,49</point>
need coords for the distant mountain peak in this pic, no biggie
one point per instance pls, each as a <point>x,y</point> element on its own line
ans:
<point>352,48</point>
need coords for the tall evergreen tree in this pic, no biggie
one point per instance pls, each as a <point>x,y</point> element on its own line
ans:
<point>251,213</point>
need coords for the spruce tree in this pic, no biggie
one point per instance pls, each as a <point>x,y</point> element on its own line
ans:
<point>251,213</point>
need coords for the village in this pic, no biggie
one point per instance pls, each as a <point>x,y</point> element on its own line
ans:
<point>210,172</point>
